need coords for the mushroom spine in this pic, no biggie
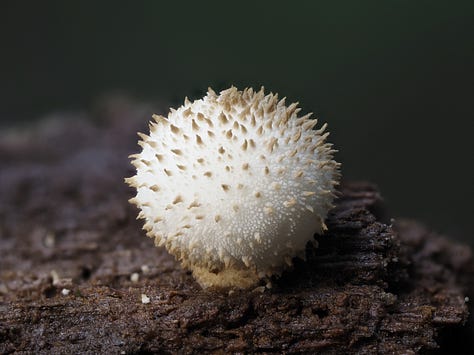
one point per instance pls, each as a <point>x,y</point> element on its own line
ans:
<point>234,185</point>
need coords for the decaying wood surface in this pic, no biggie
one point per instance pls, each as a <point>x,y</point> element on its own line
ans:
<point>70,244</point>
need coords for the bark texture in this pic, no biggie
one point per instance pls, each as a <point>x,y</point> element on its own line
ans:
<point>70,244</point>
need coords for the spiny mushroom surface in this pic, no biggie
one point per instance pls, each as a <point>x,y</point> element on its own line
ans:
<point>234,185</point>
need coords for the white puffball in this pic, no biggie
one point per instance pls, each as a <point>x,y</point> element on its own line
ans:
<point>234,185</point>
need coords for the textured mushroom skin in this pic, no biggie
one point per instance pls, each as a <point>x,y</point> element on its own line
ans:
<point>234,185</point>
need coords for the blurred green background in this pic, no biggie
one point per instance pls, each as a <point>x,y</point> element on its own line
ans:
<point>394,79</point>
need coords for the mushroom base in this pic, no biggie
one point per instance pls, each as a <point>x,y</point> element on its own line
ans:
<point>226,278</point>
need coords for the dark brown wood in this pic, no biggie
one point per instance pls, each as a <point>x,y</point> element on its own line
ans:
<point>66,225</point>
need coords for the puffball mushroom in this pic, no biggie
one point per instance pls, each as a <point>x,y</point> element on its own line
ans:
<point>234,185</point>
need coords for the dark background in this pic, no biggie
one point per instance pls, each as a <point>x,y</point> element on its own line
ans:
<point>394,79</point>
